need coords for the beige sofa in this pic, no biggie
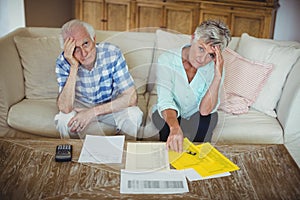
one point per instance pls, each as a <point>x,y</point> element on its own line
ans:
<point>28,89</point>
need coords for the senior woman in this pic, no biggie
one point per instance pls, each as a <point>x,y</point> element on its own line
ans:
<point>188,84</point>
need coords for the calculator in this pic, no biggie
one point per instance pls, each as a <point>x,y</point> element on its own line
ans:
<point>63,153</point>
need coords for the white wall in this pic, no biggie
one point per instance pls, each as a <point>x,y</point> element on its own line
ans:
<point>12,15</point>
<point>287,25</point>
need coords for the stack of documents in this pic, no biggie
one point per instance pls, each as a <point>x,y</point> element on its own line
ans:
<point>147,171</point>
<point>102,149</point>
<point>146,157</point>
<point>206,160</point>
<point>153,182</point>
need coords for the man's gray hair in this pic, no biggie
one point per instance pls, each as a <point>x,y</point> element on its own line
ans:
<point>213,32</point>
<point>71,26</point>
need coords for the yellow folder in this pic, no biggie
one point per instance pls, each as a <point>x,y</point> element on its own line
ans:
<point>203,158</point>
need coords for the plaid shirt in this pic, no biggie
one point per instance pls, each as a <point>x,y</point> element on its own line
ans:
<point>109,77</point>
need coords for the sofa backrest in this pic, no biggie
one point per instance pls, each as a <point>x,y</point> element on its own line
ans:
<point>11,77</point>
<point>11,72</point>
<point>138,48</point>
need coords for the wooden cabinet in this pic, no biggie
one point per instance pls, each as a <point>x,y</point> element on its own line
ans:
<point>93,13</point>
<point>105,14</point>
<point>256,17</point>
<point>125,15</point>
<point>117,14</point>
<point>181,17</point>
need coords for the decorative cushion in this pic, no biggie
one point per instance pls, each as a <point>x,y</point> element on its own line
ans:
<point>165,41</point>
<point>282,57</point>
<point>244,79</point>
<point>137,49</point>
<point>170,40</point>
<point>38,57</point>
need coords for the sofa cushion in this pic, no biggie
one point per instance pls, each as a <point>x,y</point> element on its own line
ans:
<point>38,56</point>
<point>150,132</point>
<point>244,79</point>
<point>37,117</point>
<point>253,127</point>
<point>137,48</point>
<point>233,44</point>
<point>170,40</point>
<point>283,58</point>
<point>34,116</point>
<point>142,104</point>
<point>164,42</point>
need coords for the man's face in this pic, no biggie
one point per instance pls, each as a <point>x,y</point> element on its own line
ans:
<point>200,54</point>
<point>85,49</point>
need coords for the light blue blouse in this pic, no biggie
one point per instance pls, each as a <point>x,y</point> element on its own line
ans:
<point>173,89</point>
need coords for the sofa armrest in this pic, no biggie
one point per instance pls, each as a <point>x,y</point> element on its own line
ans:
<point>288,109</point>
<point>11,77</point>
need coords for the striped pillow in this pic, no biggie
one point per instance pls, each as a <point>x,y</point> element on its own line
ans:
<point>244,79</point>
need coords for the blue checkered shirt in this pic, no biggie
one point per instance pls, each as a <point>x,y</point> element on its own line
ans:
<point>109,77</point>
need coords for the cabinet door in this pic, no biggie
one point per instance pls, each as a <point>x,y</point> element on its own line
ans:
<point>149,15</point>
<point>181,18</point>
<point>93,13</point>
<point>254,20</point>
<point>117,15</point>
<point>217,15</point>
<point>169,15</point>
<point>255,25</point>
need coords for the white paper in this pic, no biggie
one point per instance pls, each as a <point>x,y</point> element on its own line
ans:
<point>102,149</point>
<point>192,175</point>
<point>146,156</point>
<point>154,182</point>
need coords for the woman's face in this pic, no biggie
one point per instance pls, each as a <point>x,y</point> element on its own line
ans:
<point>200,53</point>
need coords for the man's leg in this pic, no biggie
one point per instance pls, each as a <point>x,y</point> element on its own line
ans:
<point>61,122</point>
<point>128,121</point>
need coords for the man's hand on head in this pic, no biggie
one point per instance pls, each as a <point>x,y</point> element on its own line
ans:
<point>69,48</point>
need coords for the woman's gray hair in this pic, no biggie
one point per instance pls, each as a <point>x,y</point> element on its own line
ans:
<point>213,32</point>
<point>71,26</point>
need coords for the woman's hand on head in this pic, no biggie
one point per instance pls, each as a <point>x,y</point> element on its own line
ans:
<point>219,61</point>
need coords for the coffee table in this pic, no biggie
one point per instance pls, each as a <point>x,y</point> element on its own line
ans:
<point>28,171</point>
